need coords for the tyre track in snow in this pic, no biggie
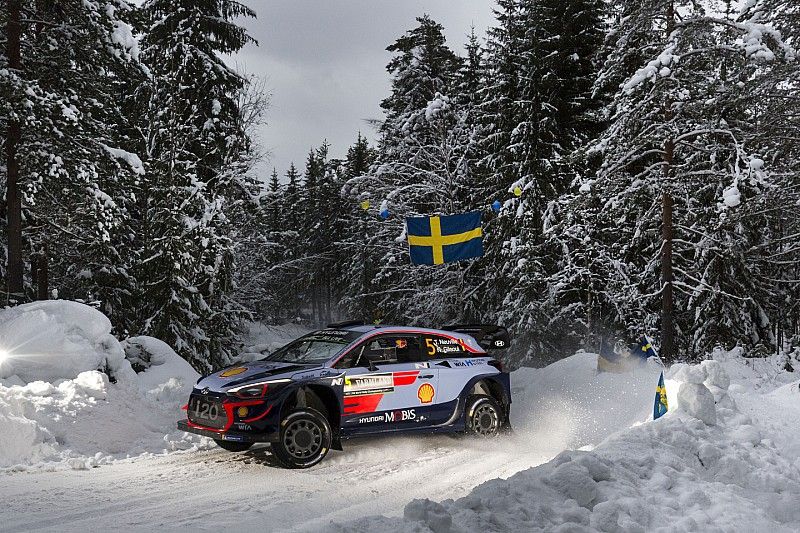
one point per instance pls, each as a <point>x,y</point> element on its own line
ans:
<point>214,489</point>
<point>565,406</point>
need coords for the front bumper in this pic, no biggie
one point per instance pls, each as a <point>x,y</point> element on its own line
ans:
<point>232,436</point>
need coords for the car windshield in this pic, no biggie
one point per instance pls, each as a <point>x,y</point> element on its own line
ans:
<point>316,347</point>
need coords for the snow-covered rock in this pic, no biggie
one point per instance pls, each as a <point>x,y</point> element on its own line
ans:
<point>697,400</point>
<point>166,377</point>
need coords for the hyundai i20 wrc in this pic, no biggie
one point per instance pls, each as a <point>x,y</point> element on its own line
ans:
<point>351,380</point>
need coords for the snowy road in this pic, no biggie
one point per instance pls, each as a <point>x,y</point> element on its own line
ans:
<point>564,406</point>
<point>214,489</point>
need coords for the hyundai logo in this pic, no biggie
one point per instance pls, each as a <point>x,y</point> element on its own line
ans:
<point>204,391</point>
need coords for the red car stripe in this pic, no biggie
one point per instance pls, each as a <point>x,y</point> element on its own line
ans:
<point>405,378</point>
<point>229,407</point>
<point>367,403</point>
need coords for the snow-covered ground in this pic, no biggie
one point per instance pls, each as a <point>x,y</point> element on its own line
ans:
<point>725,459</point>
<point>584,455</point>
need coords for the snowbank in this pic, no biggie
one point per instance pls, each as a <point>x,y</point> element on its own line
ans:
<point>165,376</point>
<point>55,340</point>
<point>57,407</point>
<point>705,466</point>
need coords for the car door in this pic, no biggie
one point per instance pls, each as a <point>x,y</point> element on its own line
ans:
<point>388,386</point>
<point>456,368</point>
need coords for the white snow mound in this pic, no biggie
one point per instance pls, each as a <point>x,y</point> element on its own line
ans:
<point>167,377</point>
<point>57,408</point>
<point>57,340</point>
<point>704,466</point>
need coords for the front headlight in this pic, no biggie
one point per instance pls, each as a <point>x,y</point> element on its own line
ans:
<point>257,390</point>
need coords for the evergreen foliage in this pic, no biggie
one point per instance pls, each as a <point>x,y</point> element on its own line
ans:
<point>139,184</point>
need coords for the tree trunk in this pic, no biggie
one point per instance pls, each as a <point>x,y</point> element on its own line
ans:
<point>14,203</point>
<point>43,277</point>
<point>667,327</point>
<point>667,322</point>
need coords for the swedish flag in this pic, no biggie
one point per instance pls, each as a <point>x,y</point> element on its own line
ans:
<point>437,240</point>
<point>660,407</point>
<point>644,349</point>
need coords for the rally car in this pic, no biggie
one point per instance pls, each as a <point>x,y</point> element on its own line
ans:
<point>350,380</point>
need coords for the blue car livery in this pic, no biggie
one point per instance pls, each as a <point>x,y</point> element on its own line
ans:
<point>350,380</point>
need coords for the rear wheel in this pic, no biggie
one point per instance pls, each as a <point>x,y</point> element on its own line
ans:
<point>233,446</point>
<point>484,416</point>
<point>305,439</point>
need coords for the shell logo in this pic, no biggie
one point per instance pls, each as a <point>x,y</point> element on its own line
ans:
<point>233,372</point>
<point>426,393</point>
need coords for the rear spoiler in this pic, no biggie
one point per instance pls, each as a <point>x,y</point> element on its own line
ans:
<point>489,336</point>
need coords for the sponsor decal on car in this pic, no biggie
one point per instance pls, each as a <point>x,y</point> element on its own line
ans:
<point>329,336</point>
<point>426,392</point>
<point>233,372</point>
<point>465,362</point>
<point>334,332</point>
<point>441,345</point>
<point>401,415</point>
<point>368,384</point>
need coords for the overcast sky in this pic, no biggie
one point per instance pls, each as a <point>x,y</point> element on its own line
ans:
<point>325,62</point>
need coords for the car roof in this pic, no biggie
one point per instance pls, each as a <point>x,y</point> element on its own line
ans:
<point>366,329</point>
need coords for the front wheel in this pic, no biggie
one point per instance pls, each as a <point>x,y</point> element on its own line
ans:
<point>305,439</point>
<point>484,416</point>
<point>233,446</point>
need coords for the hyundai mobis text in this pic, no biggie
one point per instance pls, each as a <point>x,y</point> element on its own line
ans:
<point>350,380</point>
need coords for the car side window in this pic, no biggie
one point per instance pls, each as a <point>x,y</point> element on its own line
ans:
<point>384,349</point>
<point>436,346</point>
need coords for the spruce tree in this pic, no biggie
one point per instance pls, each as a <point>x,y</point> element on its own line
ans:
<point>683,128</point>
<point>66,99</point>
<point>417,172</point>
<point>534,114</point>
<point>194,142</point>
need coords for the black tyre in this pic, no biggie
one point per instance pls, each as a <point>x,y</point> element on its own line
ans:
<point>233,446</point>
<point>305,439</point>
<point>484,416</point>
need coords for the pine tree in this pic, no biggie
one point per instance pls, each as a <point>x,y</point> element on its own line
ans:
<point>75,178</point>
<point>360,268</point>
<point>418,170</point>
<point>534,115</point>
<point>195,142</point>
<point>682,129</point>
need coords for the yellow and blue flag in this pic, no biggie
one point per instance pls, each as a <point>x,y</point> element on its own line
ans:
<point>445,239</point>
<point>644,349</point>
<point>660,407</point>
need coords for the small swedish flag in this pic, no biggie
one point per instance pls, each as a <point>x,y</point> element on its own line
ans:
<point>644,349</point>
<point>660,406</point>
<point>437,240</point>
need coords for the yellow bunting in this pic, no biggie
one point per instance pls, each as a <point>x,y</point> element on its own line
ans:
<point>517,191</point>
<point>365,205</point>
